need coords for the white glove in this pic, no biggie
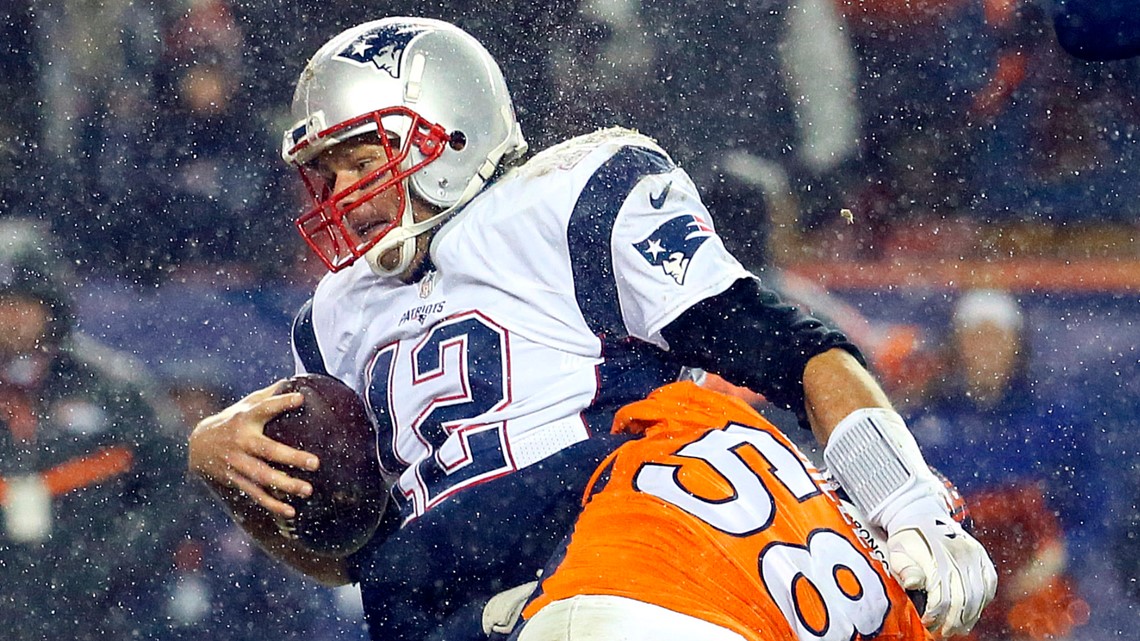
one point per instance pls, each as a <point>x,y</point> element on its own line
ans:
<point>928,550</point>
<point>876,460</point>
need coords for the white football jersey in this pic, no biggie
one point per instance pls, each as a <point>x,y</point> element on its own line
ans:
<point>546,299</point>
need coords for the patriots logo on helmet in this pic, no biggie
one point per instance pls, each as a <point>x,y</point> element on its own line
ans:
<point>672,245</point>
<point>383,48</point>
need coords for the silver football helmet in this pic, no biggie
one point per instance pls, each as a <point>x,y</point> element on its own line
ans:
<point>440,104</point>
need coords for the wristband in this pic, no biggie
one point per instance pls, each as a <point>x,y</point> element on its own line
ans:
<point>877,461</point>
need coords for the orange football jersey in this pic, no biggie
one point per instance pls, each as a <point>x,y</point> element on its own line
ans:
<point>715,514</point>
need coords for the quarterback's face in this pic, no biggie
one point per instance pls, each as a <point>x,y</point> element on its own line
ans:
<point>370,211</point>
<point>348,163</point>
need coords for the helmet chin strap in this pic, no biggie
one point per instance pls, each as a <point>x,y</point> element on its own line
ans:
<point>403,237</point>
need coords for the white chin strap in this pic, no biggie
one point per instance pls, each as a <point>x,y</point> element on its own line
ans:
<point>402,237</point>
<point>405,235</point>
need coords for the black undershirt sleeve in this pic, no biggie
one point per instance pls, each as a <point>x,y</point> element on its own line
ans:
<point>751,338</point>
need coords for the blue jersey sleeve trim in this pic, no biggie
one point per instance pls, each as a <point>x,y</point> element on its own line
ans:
<point>590,228</point>
<point>305,340</point>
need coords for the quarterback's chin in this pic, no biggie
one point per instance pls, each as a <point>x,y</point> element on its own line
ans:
<point>389,260</point>
<point>384,260</point>
<point>389,264</point>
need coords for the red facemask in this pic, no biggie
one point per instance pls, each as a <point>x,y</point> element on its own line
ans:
<point>327,227</point>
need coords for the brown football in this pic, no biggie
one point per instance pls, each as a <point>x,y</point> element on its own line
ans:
<point>349,492</point>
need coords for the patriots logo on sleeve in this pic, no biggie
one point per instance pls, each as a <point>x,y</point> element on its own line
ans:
<point>383,48</point>
<point>672,245</point>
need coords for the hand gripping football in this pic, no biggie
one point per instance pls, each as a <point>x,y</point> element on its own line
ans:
<point>349,492</point>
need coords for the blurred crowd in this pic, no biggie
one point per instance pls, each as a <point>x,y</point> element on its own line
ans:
<point>148,133</point>
<point>144,137</point>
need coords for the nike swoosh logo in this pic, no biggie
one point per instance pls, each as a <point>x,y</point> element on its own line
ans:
<point>658,201</point>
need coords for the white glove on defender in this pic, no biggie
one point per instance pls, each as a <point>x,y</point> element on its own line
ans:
<point>875,458</point>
